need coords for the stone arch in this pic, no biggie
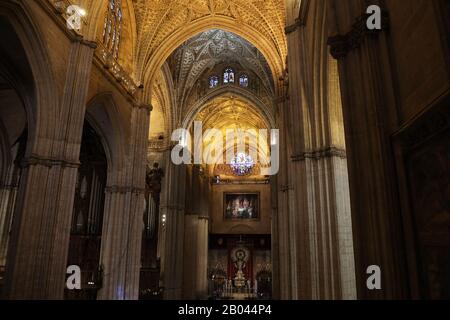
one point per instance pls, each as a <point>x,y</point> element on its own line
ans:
<point>242,93</point>
<point>165,95</point>
<point>42,106</point>
<point>156,60</point>
<point>13,141</point>
<point>16,113</point>
<point>101,113</point>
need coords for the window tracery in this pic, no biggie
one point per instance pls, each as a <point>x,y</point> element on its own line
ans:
<point>213,82</point>
<point>113,27</point>
<point>228,76</point>
<point>243,81</point>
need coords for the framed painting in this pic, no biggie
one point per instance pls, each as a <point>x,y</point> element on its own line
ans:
<point>242,206</point>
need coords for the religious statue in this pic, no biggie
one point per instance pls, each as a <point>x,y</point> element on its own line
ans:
<point>153,189</point>
<point>240,263</point>
<point>154,177</point>
<point>240,256</point>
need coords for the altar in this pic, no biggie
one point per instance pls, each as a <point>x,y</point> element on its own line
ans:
<point>240,269</point>
<point>243,296</point>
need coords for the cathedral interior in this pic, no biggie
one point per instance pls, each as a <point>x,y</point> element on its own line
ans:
<point>338,190</point>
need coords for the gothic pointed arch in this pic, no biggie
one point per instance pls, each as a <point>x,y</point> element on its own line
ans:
<point>41,105</point>
<point>86,230</point>
<point>165,49</point>
<point>265,110</point>
<point>102,114</point>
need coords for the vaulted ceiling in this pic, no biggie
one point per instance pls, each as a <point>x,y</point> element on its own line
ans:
<point>156,20</point>
<point>211,31</point>
<point>162,25</point>
<point>210,48</point>
<point>230,112</point>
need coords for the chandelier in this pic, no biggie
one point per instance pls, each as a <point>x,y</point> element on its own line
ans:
<point>242,164</point>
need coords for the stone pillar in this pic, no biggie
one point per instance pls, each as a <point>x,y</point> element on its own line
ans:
<point>39,242</point>
<point>190,254</point>
<point>289,237</point>
<point>284,272</point>
<point>369,113</point>
<point>123,223</point>
<point>275,239</point>
<point>196,235</point>
<point>115,245</point>
<point>173,207</point>
<point>314,224</point>
<point>202,257</point>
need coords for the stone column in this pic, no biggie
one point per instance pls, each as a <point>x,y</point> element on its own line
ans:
<point>123,223</point>
<point>275,239</point>
<point>284,272</point>
<point>196,233</point>
<point>173,207</point>
<point>315,230</point>
<point>190,254</point>
<point>369,113</point>
<point>202,257</point>
<point>39,242</point>
<point>115,234</point>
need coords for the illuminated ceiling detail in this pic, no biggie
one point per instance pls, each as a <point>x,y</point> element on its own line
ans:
<point>210,48</point>
<point>232,113</point>
<point>158,19</point>
<point>161,122</point>
<point>154,29</point>
<point>159,26</point>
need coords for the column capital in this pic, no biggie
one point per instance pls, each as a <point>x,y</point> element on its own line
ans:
<point>88,43</point>
<point>172,207</point>
<point>302,17</point>
<point>35,160</point>
<point>144,106</point>
<point>328,152</point>
<point>124,189</point>
<point>293,27</point>
<point>341,45</point>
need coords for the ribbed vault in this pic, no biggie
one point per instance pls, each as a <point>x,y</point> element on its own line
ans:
<point>233,113</point>
<point>160,26</point>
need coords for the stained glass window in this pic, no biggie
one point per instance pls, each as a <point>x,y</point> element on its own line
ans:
<point>242,164</point>
<point>228,76</point>
<point>243,81</point>
<point>113,27</point>
<point>213,82</point>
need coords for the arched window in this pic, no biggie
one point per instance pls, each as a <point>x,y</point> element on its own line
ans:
<point>213,82</point>
<point>243,81</point>
<point>228,76</point>
<point>113,27</point>
<point>87,217</point>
